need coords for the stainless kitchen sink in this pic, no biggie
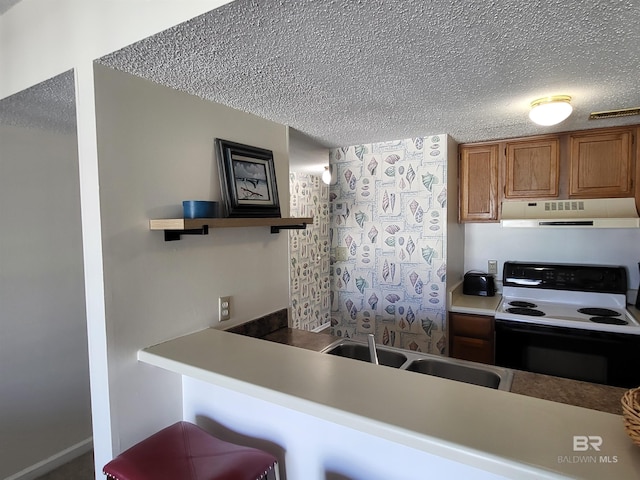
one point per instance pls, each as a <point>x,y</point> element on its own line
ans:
<point>359,351</point>
<point>454,371</point>
<point>444,367</point>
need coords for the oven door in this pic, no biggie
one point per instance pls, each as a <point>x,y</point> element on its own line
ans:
<point>591,356</point>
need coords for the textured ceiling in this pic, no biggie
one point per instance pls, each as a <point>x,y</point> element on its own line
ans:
<point>49,105</point>
<point>347,72</point>
<point>6,5</point>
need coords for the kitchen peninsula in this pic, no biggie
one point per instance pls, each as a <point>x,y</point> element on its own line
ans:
<point>327,414</point>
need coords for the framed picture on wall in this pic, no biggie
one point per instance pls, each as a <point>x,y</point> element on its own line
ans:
<point>248,180</point>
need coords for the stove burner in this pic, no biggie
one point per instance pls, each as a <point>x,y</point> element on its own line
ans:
<point>526,311</point>
<point>520,303</point>
<point>599,312</point>
<point>609,320</point>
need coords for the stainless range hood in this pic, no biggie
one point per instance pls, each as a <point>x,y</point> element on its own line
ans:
<point>583,213</point>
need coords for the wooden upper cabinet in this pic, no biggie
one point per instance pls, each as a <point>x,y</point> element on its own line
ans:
<point>601,164</point>
<point>479,183</point>
<point>532,169</point>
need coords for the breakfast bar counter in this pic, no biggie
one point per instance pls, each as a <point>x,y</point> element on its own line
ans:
<point>604,398</point>
<point>448,428</point>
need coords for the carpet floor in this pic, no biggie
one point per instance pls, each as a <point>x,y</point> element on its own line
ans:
<point>80,468</point>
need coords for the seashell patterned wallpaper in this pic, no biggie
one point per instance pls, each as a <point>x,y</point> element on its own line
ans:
<point>388,210</point>
<point>309,253</point>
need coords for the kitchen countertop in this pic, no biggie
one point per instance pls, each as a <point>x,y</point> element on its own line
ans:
<point>563,390</point>
<point>473,304</point>
<point>571,392</point>
<point>512,435</point>
<point>302,338</point>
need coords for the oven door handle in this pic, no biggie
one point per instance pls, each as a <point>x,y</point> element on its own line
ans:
<point>509,326</point>
<point>526,327</point>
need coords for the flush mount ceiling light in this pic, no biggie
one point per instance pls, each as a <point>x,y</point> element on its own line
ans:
<point>326,176</point>
<point>550,110</point>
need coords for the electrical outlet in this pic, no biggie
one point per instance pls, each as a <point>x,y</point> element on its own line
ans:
<point>492,267</point>
<point>224,308</point>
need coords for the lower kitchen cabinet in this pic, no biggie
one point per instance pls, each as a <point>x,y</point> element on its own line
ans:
<point>471,337</point>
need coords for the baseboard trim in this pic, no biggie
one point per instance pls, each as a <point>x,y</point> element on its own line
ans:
<point>54,461</point>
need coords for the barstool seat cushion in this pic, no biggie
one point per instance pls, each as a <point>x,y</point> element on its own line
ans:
<point>184,451</point>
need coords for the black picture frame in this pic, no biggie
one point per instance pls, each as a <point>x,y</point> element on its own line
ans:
<point>248,180</point>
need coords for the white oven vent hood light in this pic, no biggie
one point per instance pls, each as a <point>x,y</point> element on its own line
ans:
<point>582,213</point>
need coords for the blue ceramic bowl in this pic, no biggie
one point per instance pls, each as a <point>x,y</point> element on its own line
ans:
<point>199,209</point>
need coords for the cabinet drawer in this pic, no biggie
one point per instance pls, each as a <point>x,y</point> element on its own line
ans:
<point>475,326</point>
<point>472,349</point>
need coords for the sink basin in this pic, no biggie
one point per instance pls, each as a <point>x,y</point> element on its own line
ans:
<point>454,371</point>
<point>358,351</point>
<point>444,367</point>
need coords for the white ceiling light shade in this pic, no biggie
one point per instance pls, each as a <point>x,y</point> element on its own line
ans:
<point>326,176</point>
<point>550,110</point>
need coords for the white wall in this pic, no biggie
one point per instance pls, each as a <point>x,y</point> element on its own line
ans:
<point>44,373</point>
<point>455,230</point>
<point>41,38</point>
<point>310,448</point>
<point>155,149</point>
<point>598,246</point>
<point>306,155</point>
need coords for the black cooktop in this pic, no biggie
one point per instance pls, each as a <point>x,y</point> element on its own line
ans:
<point>609,320</point>
<point>599,312</point>
<point>520,303</point>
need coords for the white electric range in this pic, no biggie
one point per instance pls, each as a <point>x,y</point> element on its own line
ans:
<point>570,321</point>
<point>605,312</point>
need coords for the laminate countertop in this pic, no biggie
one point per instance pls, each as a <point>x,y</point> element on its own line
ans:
<point>562,390</point>
<point>473,304</point>
<point>505,434</point>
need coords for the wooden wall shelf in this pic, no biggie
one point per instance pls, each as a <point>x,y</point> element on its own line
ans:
<point>174,228</point>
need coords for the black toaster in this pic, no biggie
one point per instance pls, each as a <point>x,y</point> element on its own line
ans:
<point>479,283</point>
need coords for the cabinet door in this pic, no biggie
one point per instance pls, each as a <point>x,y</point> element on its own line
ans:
<point>479,183</point>
<point>533,169</point>
<point>472,349</point>
<point>475,326</point>
<point>601,165</point>
<point>472,337</point>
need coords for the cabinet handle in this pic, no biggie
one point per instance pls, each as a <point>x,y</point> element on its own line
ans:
<point>473,342</point>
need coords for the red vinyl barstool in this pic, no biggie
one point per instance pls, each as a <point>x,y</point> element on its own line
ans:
<point>184,451</point>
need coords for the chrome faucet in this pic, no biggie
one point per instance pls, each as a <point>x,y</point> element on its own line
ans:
<point>371,340</point>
